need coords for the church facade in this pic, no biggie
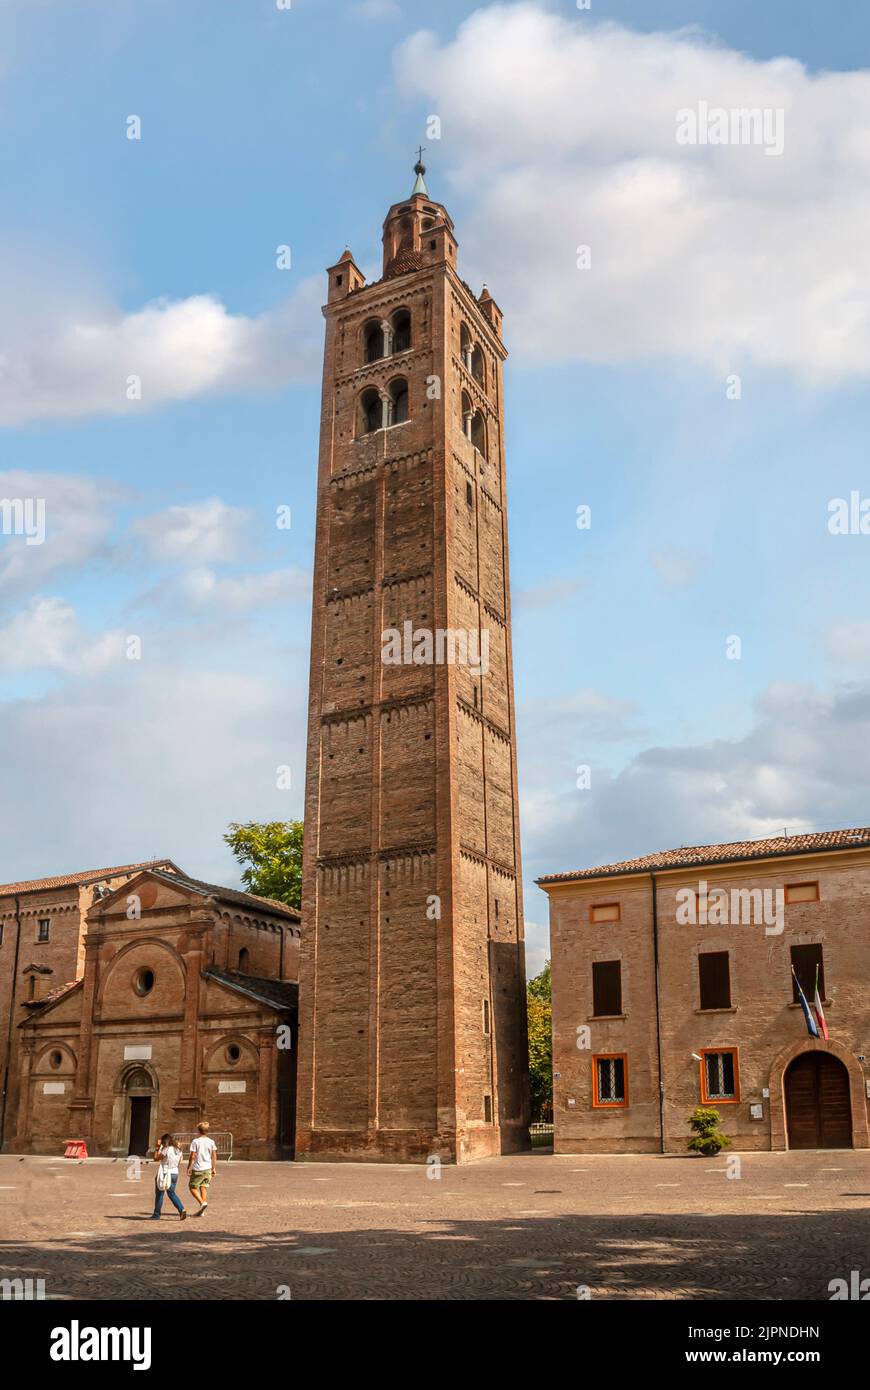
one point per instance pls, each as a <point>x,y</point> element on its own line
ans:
<point>412,988</point>
<point>184,1006</point>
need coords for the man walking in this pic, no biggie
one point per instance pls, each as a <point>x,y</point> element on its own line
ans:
<point>201,1166</point>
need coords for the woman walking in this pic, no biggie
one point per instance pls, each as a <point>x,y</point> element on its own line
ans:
<point>167,1155</point>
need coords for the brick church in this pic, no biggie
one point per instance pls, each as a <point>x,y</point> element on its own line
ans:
<point>136,999</point>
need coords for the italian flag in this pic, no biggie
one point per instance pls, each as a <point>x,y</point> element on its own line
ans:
<point>817,1008</point>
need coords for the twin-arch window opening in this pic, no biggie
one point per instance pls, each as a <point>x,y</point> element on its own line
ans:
<point>380,410</point>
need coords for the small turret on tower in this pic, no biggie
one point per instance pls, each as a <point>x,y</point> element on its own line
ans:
<point>418,231</point>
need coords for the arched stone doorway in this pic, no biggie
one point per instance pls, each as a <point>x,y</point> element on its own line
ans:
<point>136,1112</point>
<point>818,1110</point>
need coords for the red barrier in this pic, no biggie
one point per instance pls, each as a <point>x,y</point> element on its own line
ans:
<point>75,1148</point>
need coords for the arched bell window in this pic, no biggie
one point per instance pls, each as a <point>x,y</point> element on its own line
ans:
<point>478,368</point>
<point>478,432</point>
<point>398,401</point>
<point>401,326</point>
<point>373,341</point>
<point>465,346</point>
<point>371,412</point>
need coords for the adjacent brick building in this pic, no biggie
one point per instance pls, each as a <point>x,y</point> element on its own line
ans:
<point>673,987</point>
<point>42,947</point>
<point>412,1025</point>
<point>181,1003</point>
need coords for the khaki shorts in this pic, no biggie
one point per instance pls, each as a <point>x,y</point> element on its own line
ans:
<point>200,1179</point>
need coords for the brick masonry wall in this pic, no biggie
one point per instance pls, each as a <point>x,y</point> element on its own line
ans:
<point>763,1024</point>
<point>394,1061</point>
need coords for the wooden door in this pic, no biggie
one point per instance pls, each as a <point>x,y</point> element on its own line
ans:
<point>817,1104</point>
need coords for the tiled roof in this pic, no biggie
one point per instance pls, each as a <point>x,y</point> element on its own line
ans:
<point>278,994</point>
<point>231,895</point>
<point>404,262</point>
<point>38,885</point>
<point>52,997</point>
<point>688,855</point>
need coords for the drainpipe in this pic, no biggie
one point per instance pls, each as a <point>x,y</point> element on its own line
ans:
<point>8,1058</point>
<point>655,927</point>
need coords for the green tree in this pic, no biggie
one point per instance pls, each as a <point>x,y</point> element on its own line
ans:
<point>540,1014</point>
<point>271,854</point>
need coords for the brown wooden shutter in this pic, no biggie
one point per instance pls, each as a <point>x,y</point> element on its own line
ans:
<point>606,988</point>
<point>714,976</point>
<point>804,960</point>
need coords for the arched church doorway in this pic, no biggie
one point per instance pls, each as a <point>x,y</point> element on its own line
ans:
<point>140,1095</point>
<point>818,1110</point>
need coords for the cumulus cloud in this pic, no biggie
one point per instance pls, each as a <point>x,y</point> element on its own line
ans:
<point>46,636</point>
<point>203,591</point>
<point>152,759</point>
<point>70,360</point>
<point>562,134</point>
<point>78,516</point>
<point>804,764</point>
<point>202,532</point>
<point>848,643</point>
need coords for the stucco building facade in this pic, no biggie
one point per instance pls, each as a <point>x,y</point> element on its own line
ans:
<point>184,1006</point>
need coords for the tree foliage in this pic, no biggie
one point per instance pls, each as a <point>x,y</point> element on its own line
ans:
<point>540,1014</point>
<point>271,856</point>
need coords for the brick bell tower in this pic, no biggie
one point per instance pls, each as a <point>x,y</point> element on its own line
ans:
<point>413,1023</point>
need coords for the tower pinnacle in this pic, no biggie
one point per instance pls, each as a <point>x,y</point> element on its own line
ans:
<point>420,170</point>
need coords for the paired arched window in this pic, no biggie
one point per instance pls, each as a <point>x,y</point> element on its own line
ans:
<point>383,338</point>
<point>397,406</point>
<point>473,424</point>
<point>472,355</point>
<point>371,411</point>
<point>401,326</point>
<point>377,412</point>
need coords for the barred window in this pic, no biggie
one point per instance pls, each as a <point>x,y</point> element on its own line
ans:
<point>719,1075</point>
<point>610,1086</point>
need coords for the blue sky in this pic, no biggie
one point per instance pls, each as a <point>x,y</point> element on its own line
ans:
<point>263,127</point>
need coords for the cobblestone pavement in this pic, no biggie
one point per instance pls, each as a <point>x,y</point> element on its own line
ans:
<point>528,1227</point>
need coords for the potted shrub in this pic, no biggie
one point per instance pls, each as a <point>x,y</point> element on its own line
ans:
<point>708,1138</point>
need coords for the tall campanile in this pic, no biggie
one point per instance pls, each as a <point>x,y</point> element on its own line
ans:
<point>412,992</point>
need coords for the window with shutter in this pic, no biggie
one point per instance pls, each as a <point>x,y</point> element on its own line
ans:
<point>804,960</point>
<point>714,977</point>
<point>606,988</point>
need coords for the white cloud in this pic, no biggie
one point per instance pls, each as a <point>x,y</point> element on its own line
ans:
<point>46,635</point>
<point>804,765</point>
<point>68,360</point>
<point>204,591</point>
<point>849,643</point>
<point>79,513</point>
<point>585,713</point>
<point>153,759</point>
<point>204,532</point>
<point>562,133</point>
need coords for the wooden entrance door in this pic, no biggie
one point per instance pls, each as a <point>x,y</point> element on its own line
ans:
<point>817,1106</point>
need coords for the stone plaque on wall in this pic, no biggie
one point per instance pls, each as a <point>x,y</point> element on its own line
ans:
<point>224,1086</point>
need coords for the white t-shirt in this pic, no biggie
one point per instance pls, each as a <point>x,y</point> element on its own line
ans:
<point>170,1159</point>
<point>202,1150</point>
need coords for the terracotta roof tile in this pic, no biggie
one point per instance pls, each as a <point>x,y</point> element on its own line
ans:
<point>278,994</point>
<point>232,895</point>
<point>38,885</point>
<point>688,855</point>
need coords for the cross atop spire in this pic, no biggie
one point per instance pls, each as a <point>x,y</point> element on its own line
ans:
<point>420,170</point>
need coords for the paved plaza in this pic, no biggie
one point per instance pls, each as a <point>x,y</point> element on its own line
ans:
<point>528,1227</point>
